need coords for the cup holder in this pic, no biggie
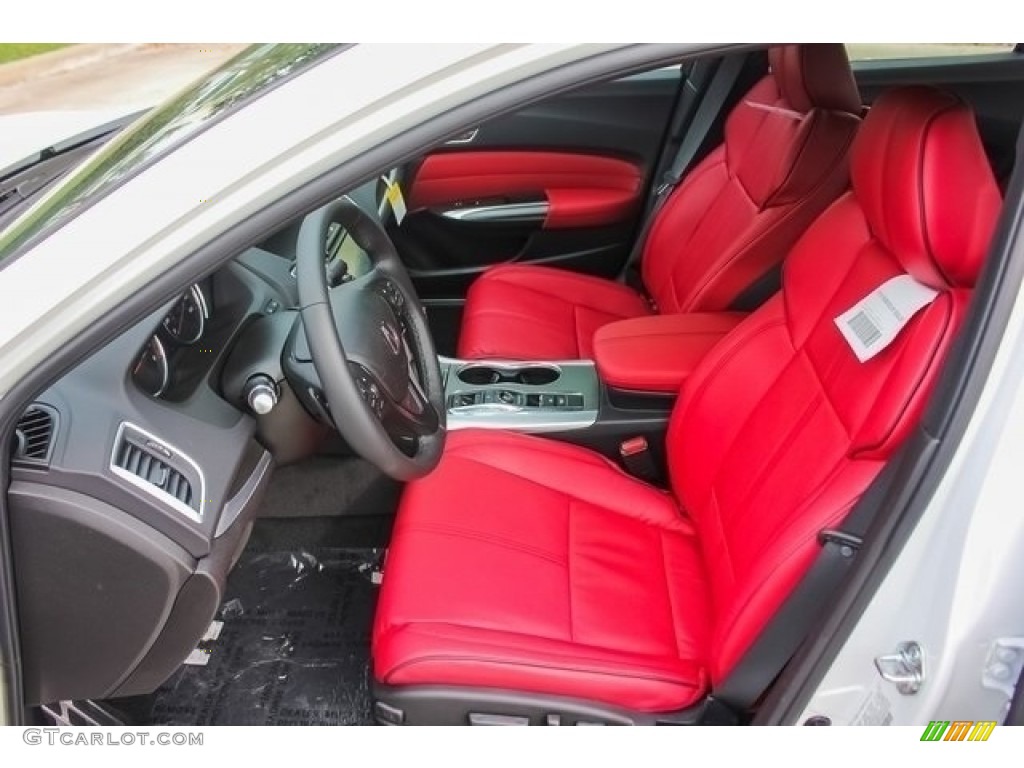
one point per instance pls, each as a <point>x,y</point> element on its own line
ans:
<point>537,376</point>
<point>533,375</point>
<point>479,375</point>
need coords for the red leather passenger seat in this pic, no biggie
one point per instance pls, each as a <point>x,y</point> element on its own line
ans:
<point>733,218</point>
<point>524,564</point>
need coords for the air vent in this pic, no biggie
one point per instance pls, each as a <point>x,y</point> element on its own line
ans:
<point>144,464</point>
<point>34,435</point>
<point>157,468</point>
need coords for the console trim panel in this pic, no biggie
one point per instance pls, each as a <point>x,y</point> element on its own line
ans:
<point>575,377</point>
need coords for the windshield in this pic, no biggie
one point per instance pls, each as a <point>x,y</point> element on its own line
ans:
<point>171,124</point>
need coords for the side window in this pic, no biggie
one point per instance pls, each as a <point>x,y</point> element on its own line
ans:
<point>883,51</point>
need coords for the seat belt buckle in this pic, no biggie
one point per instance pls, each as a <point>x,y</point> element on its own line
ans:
<point>637,459</point>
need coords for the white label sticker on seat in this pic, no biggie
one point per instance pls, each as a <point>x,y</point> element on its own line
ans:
<point>870,325</point>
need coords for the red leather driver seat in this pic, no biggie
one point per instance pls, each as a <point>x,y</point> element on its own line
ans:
<point>732,219</point>
<point>535,567</point>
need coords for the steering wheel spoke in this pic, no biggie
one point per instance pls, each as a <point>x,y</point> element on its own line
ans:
<point>416,412</point>
<point>409,416</point>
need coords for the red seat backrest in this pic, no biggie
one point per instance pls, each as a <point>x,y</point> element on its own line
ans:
<point>783,160</point>
<point>781,428</point>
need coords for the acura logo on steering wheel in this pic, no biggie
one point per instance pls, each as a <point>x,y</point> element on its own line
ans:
<point>391,337</point>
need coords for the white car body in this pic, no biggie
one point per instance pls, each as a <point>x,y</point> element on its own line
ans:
<point>952,588</point>
<point>26,133</point>
<point>960,563</point>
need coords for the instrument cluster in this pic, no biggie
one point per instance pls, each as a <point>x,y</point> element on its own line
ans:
<point>183,326</point>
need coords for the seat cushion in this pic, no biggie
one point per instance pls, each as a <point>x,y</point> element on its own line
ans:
<point>541,313</point>
<point>550,571</point>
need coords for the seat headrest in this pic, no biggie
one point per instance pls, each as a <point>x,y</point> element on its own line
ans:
<point>921,176</point>
<point>815,76</point>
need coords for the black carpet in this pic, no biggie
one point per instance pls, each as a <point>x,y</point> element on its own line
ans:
<point>294,648</point>
<point>330,486</point>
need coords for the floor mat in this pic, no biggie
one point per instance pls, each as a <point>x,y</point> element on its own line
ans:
<point>294,648</point>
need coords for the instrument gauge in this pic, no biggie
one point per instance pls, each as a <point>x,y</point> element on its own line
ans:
<point>151,371</point>
<point>186,321</point>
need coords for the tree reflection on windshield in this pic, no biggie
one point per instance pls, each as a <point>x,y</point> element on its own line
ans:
<point>170,124</point>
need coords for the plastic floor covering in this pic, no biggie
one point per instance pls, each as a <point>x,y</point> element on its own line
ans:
<point>294,648</point>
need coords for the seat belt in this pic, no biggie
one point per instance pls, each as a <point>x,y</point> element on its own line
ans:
<point>705,112</point>
<point>789,627</point>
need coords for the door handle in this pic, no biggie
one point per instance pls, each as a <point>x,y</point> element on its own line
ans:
<point>534,212</point>
<point>464,138</point>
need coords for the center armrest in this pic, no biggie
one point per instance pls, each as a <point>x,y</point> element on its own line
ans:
<point>657,353</point>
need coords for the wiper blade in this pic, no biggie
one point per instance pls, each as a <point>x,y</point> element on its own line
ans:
<point>18,188</point>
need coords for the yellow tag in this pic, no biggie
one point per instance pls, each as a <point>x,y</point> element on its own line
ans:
<point>395,199</point>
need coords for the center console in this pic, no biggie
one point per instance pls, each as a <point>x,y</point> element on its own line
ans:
<point>627,390</point>
<point>566,400</point>
<point>521,395</point>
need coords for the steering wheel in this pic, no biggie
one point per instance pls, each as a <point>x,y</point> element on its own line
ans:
<point>371,347</point>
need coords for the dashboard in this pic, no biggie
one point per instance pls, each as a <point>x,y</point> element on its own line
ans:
<point>156,393</point>
<point>136,477</point>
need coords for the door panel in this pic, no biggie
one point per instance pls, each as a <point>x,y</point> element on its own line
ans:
<point>560,189</point>
<point>560,183</point>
